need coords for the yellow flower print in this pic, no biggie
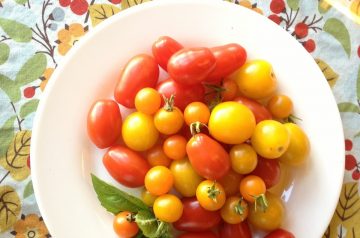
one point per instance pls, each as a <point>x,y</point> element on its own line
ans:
<point>30,226</point>
<point>68,36</point>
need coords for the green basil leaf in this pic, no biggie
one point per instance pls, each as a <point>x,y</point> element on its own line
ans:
<point>152,227</point>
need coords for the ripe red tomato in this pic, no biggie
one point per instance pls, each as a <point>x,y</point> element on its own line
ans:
<point>163,48</point>
<point>208,157</point>
<point>184,94</point>
<point>260,112</point>
<point>240,230</point>
<point>206,234</point>
<point>229,58</point>
<point>195,218</point>
<point>280,233</point>
<point>191,66</point>
<point>140,72</point>
<point>126,166</point>
<point>104,123</point>
<point>268,170</point>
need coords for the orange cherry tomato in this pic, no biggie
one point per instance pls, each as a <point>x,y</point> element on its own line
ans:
<point>251,187</point>
<point>280,106</point>
<point>159,180</point>
<point>156,156</point>
<point>174,147</point>
<point>231,182</point>
<point>196,111</point>
<point>124,225</point>
<point>148,101</point>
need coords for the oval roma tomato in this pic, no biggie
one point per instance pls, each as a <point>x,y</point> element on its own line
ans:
<point>260,112</point>
<point>229,58</point>
<point>205,234</point>
<point>168,208</point>
<point>240,230</point>
<point>140,72</point>
<point>268,170</point>
<point>126,166</point>
<point>184,94</point>
<point>230,90</point>
<point>191,66</point>
<point>209,159</point>
<point>163,48</point>
<point>124,225</point>
<point>195,218</point>
<point>104,123</point>
<point>231,123</point>
<point>280,233</point>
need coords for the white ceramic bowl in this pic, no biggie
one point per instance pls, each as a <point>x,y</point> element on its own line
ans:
<point>63,157</point>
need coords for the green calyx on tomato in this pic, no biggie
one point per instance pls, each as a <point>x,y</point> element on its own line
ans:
<point>239,209</point>
<point>213,192</point>
<point>292,119</point>
<point>169,103</point>
<point>130,217</point>
<point>261,202</point>
<point>195,127</point>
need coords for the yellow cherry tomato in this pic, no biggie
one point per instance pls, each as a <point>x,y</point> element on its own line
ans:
<point>159,180</point>
<point>139,132</point>
<point>255,79</point>
<point>235,210</point>
<point>252,187</point>
<point>243,158</point>
<point>168,208</point>
<point>186,180</point>
<point>299,147</point>
<point>211,195</point>
<point>148,101</point>
<point>269,219</point>
<point>148,198</point>
<point>169,119</point>
<point>270,139</point>
<point>280,106</point>
<point>231,123</point>
<point>196,111</point>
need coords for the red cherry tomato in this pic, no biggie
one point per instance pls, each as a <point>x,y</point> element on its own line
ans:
<point>195,218</point>
<point>260,112</point>
<point>104,123</point>
<point>206,234</point>
<point>140,72</point>
<point>280,233</point>
<point>229,58</point>
<point>163,48</point>
<point>208,157</point>
<point>268,170</point>
<point>126,166</point>
<point>184,94</point>
<point>191,66</point>
<point>240,230</point>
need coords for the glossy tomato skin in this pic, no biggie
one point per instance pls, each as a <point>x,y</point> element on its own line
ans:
<point>184,94</point>
<point>229,58</point>
<point>163,48</point>
<point>209,159</point>
<point>141,71</point>
<point>191,65</point>
<point>126,166</point>
<point>268,170</point>
<point>280,233</point>
<point>240,230</point>
<point>260,112</point>
<point>104,123</point>
<point>205,234</point>
<point>195,218</point>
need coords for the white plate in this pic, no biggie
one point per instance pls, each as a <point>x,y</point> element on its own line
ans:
<point>63,157</point>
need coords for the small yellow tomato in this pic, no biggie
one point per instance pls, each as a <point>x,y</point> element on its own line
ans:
<point>148,101</point>
<point>235,210</point>
<point>159,180</point>
<point>211,195</point>
<point>243,158</point>
<point>196,111</point>
<point>168,208</point>
<point>169,119</point>
<point>148,198</point>
<point>280,106</point>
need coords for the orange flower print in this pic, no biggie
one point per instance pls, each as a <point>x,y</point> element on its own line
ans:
<point>30,226</point>
<point>68,36</point>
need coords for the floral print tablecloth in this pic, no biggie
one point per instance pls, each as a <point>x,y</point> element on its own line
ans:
<point>35,35</point>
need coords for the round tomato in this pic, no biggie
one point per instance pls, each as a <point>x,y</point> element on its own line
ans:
<point>163,48</point>
<point>269,219</point>
<point>299,148</point>
<point>235,210</point>
<point>139,132</point>
<point>104,123</point>
<point>195,218</point>
<point>256,79</point>
<point>191,66</point>
<point>231,123</point>
<point>140,72</point>
<point>169,120</point>
<point>156,156</point>
<point>209,159</point>
<point>159,180</point>
<point>240,230</point>
<point>252,187</point>
<point>184,94</point>
<point>168,208</point>
<point>230,90</point>
<point>268,170</point>
<point>148,101</point>
<point>243,158</point>
<point>280,233</point>
<point>148,198</point>
<point>125,166</point>
<point>196,112</point>
<point>280,106</point>
<point>260,112</point>
<point>186,180</point>
<point>231,182</point>
<point>205,234</point>
<point>229,58</point>
<point>270,139</point>
<point>124,225</point>
<point>175,147</point>
<point>211,195</point>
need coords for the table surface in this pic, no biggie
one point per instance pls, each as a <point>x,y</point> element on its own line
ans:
<point>35,35</point>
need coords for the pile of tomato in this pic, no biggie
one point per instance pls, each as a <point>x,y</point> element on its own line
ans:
<point>206,143</point>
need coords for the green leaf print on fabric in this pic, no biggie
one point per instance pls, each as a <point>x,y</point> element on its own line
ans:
<point>7,134</point>
<point>10,88</point>
<point>15,30</point>
<point>323,6</point>
<point>22,2</point>
<point>348,107</point>
<point>339,31</point>
<point>29,190</point>
<point>28,108</point>
<point>293,4</point>
<point>4,53</point>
